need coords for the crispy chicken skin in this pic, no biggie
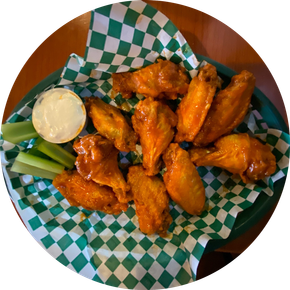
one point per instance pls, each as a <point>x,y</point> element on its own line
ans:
<point>110,123</point>
<point>88,194</point>
<point>153,121</point>
<point>194,107</point>
<point>262,161</point>
<point>163,78</point>
<point>97,161</point>
<point>182,180</point>
<point>239,154</point>
<point>151,200</point>
<point>227,110</point>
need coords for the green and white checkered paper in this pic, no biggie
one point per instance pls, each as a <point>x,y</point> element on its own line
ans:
<point>111,249</point>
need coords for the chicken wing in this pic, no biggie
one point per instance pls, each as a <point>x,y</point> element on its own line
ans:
<point>154,122</point>
<point>239,154</point>
<point>262,161</point>
<point>110,123</point>
<point>97,161</point>
<point>87,194</point>
<point>161,77</point>
<point>227,110</point>
<point>151,200</point>
<point>182,180</point>
<point>193,108</point>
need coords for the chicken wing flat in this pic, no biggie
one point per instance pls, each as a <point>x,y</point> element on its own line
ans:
<point>110,123</point>
<point>163,77</point>
<point>153,121</point>
<point>87,194</point>
<point>182,180</point>
<point>97,161</point>
<point>227,110</point>
<point>193,108</point>
<point>239,154</point>
<point>151,200</point>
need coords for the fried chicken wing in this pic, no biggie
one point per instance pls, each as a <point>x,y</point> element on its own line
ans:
<point>163,77</point>
<point>97,161</point>
<point>262,161</point>
<point>239,154</point>
<point>227,110</point>
<point>193,108</point>
<point>88,194</point>
<point>154,122</point>
<point>110,123</point>
<point>151,200</point>
<point>182,180</point>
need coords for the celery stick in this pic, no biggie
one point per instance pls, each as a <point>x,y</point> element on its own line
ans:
<point>23,168</point>
<point>57,153</point>
<point>34,151</point>
<point>40,162</point>
<point>18,132</point>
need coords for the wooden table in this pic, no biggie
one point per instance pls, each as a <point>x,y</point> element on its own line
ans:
<point>206,36</point>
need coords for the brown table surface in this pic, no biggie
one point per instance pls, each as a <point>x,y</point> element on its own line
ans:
<point>206,36</point>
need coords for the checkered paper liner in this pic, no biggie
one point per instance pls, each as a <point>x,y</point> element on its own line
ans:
<point>110,249</point>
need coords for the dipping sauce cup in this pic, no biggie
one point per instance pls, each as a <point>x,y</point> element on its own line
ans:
<point>59,115</point>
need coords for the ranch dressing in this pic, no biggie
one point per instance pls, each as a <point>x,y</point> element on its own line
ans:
<point>58,115</point>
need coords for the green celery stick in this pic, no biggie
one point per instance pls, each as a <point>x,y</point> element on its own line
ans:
<point>40,162</point>
<point>23,168</point>
<point>34,151</point>
<point>57,153</point>
<point>18,132</point>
